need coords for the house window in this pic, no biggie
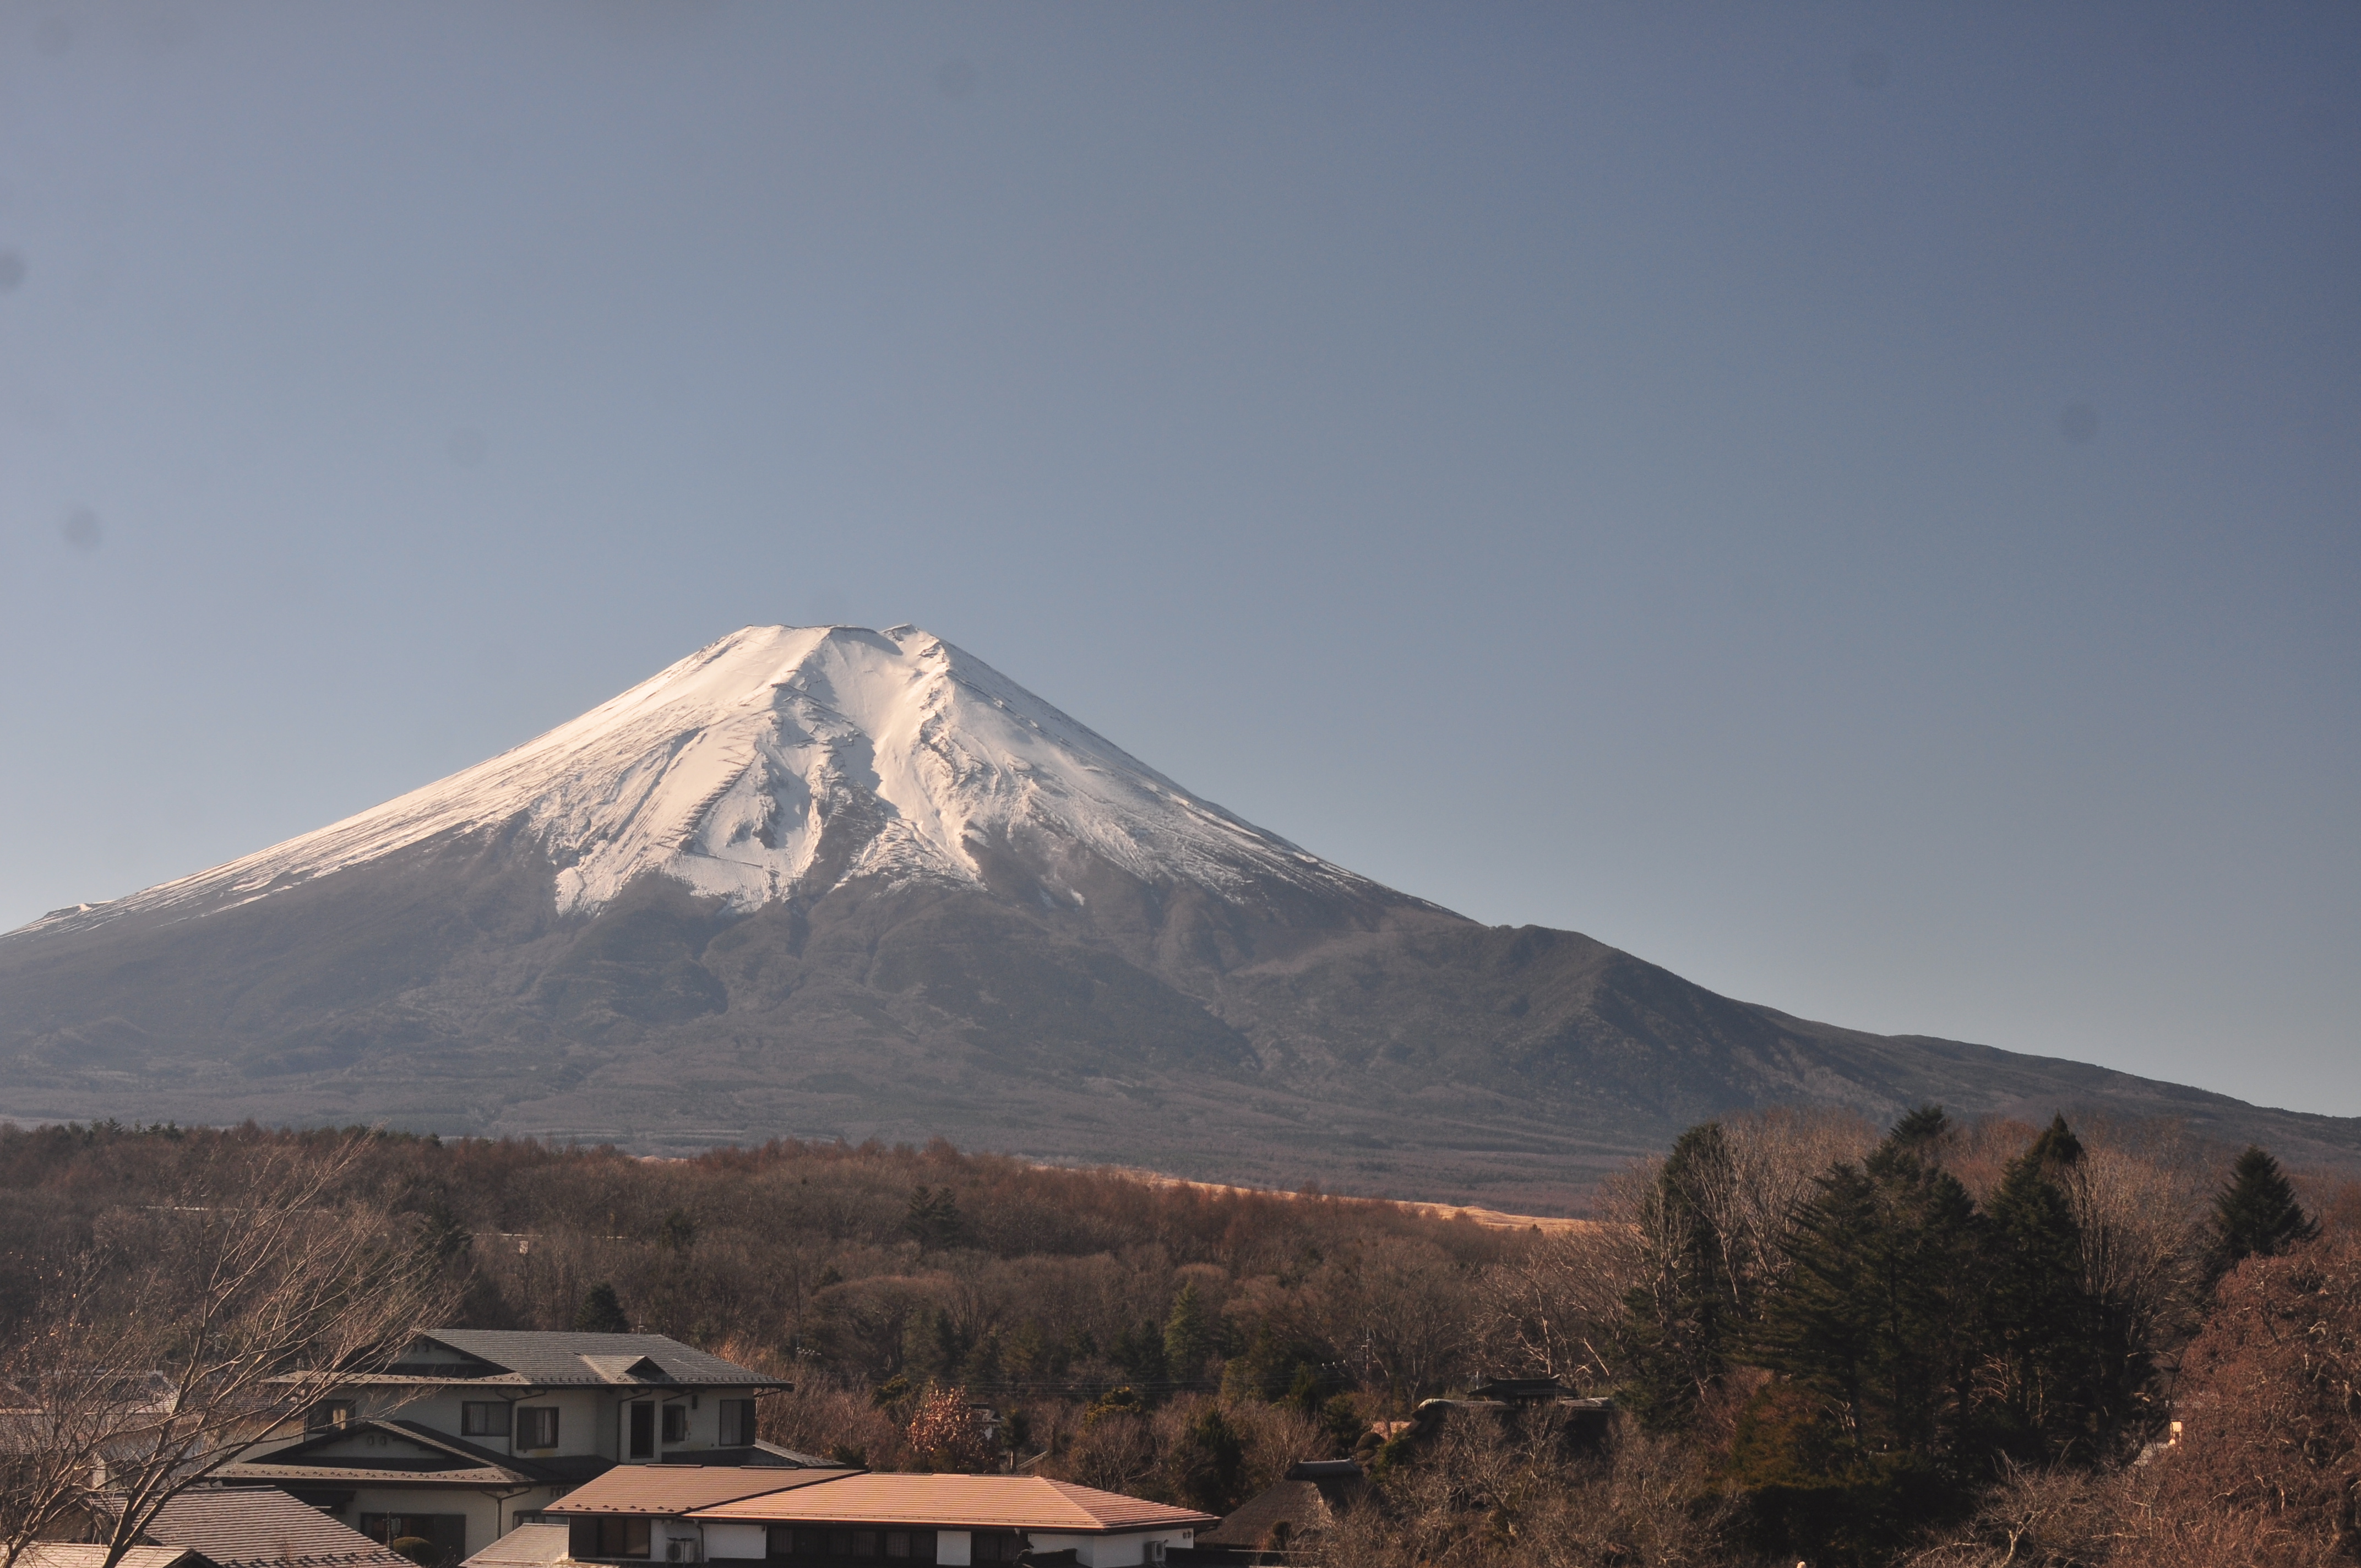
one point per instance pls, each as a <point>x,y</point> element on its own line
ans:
<point>737,1424</point>
<point>995,1546</point>
<point>447,1532</point>
<point>609,1537</point>
<point>642,1428</point>
<point>537,1426</point>
<point>485,1420</point>
<point>910,1545</point>
<point>675,1423</point>
<point>329,1413</point>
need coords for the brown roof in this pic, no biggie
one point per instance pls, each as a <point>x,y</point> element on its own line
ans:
<point>959,1502</point>
<point>247,1527</point>
<point>41,1554</point>
<point>673,1489</point>
<point>1296,1504</point>
<point>529,1544</point>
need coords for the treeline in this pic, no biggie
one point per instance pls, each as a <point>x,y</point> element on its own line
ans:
<point>1161,1339</point>
<point>1944,1343</point>
<point>1990,1345</point>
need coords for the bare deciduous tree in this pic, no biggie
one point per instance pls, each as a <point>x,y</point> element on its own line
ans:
<point>1551,1311</point>
<point>63,1411</point>
<point>196,1327</point>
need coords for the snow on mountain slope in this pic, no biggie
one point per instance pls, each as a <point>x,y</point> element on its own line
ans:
<point>779,755</point>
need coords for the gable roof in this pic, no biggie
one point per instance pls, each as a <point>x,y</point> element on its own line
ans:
<point>533,1359</point>
<point>253,1526</point>
<point>959,1502</point>
<point>671,1490</point>
<point>442,1461</point>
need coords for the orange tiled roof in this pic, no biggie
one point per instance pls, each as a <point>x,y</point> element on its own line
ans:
<point>959,1502</point>
<point>674,1489</point>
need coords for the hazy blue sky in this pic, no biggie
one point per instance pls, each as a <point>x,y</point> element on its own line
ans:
<point>1859,505</point>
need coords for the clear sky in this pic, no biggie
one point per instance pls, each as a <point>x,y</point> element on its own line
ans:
<point>1861,506</point>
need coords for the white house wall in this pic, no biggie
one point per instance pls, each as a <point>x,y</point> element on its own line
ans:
<point>1109,1551</point>
<point>589,1420</point>
<point>741,1541</point>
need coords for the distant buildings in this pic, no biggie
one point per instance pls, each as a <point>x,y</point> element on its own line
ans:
<point>519,1449</point>
<point>473,1429</point>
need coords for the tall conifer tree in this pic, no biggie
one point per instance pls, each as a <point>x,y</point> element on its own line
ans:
<point>2042,1328</point>
<point>1188,1336</point>
<point>1880,1313</point>
<point>2257,1214</point>
<point>1677,1328</point>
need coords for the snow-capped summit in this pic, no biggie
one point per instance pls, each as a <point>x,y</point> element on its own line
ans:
<point>788,760</point>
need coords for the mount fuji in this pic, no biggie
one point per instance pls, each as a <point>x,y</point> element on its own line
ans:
<point>833,882</point>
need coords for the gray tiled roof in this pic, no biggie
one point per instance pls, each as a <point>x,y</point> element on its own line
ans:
<point>557,1358</point>
<point>461,1462</point>
<point>261,1527</point>
<point>42,1555</point>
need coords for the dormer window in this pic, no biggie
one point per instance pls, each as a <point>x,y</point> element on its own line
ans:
<point>329,1414</point>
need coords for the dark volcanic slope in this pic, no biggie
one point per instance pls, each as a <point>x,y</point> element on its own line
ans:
<point>1374,1044</point>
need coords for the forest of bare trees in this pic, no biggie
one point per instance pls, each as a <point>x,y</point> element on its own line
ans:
<point>154,1332</point>
<point>1961,1345</point>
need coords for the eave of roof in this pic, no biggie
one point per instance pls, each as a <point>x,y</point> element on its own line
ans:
<point>312,1475</point>
<point>483,1467</point>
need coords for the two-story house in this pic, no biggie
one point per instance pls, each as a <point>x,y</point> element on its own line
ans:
<point>472,1429</point>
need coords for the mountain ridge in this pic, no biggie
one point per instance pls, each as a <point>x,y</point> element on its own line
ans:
<point>834,882</point>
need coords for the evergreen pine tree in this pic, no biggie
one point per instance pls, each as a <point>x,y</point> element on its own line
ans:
<point>2057,1148</point>
<point>1879,1314</point>
<point>1187,1335</point>
<point>601,1311</point>
<point>1677,1324</point>
<point>1921,1128</point>
<point>933,1218</point>
<point>2041,1330</point>
<point>1208,1462</point>
<point>1139,1352</point>
<point>2256,1215</point>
